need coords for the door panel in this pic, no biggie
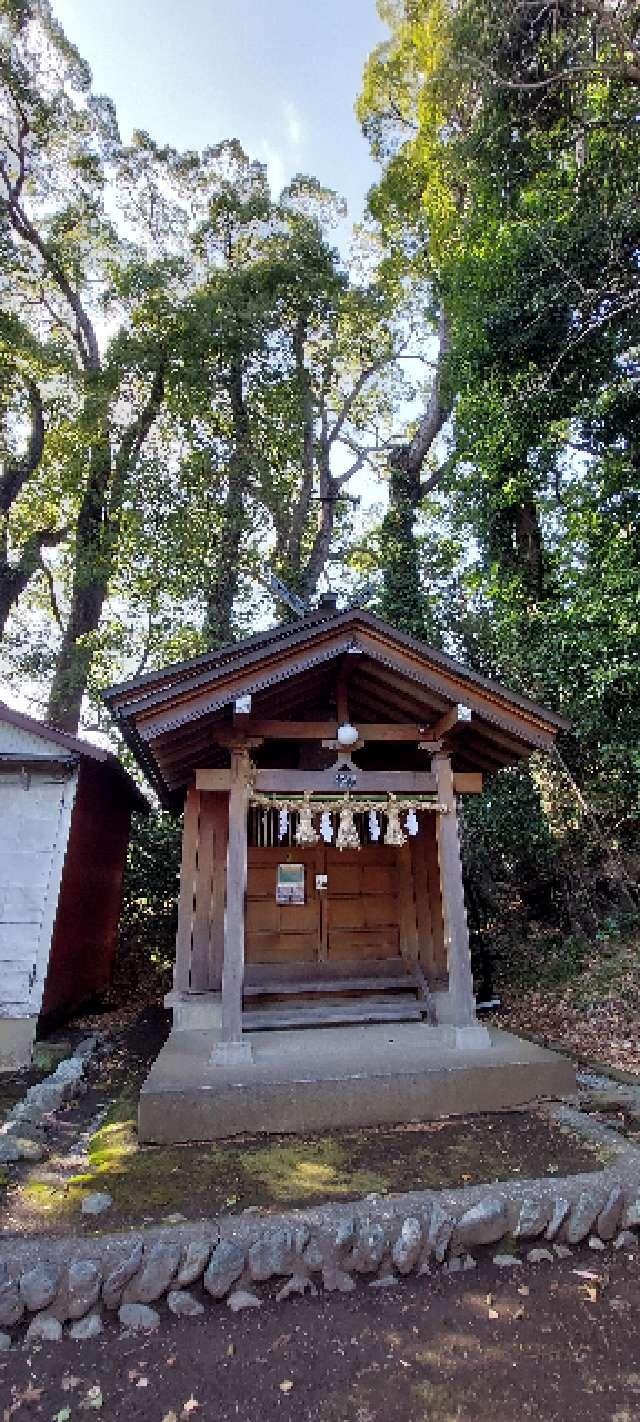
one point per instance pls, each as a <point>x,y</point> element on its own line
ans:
<point>357,916</point>
<point>277,932</point>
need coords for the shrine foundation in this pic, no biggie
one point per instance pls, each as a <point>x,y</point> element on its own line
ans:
<point>305,1080</point>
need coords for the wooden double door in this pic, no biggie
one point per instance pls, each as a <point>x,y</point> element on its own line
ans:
<point>355,917</point>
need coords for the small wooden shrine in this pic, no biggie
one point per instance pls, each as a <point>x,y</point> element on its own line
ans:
<point>320,765</point>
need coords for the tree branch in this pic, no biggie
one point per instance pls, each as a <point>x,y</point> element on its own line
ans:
<point>18,471</point>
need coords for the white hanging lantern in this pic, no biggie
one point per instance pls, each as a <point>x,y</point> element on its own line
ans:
<point>326,827</point>
<point>347,837</point>
<point>374,826</point>
<point>283,823</point>
<point>411,822</point>
<point>394,834</point>
<point>305,833</point>
<point>347,734</point>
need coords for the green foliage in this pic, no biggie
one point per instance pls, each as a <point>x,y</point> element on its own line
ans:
<point>150,894</point>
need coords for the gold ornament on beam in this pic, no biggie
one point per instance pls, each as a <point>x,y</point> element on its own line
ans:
<point>394,834</point>
<point>347,837</point>
<point>305,833</point>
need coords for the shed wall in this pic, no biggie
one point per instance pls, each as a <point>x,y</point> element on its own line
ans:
<point>35,816</point>
<point>86,927</point>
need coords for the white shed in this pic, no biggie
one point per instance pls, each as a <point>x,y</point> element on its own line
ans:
<point>65,809</point>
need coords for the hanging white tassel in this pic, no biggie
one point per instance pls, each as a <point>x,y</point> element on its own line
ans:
<point>283,824</point>
<point>326,827</point>
<point>394,835</point>
<point>374,826</point>
<point>411,822</point>
<point>347,837</point>
<point>305,833</point>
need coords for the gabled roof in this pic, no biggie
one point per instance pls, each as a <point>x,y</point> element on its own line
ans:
<point>63,746</point>
<point>170,717</point>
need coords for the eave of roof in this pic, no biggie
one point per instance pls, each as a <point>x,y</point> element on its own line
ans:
<point>75,748</point>
<point>245,664</point>
<point>213,666</point>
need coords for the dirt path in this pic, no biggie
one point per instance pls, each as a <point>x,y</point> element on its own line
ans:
<point>543,1343</point>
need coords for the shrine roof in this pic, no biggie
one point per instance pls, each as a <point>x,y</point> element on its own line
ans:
<point>170,717</point>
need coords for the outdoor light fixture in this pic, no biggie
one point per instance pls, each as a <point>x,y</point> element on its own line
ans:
<point>347,734</point>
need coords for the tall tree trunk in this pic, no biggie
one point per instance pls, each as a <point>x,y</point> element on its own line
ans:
<point>221,594</point>
<point>402,599</point>
<point>97,533</point>
<point>92,567</point>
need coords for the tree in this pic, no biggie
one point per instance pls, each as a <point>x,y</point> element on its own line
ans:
<point>59,251</point>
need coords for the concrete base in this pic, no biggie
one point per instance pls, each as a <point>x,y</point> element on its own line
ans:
<point>307,1079</point>
<point>17,1036</point>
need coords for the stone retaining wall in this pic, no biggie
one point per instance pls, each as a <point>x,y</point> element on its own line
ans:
<point>50,1283</point>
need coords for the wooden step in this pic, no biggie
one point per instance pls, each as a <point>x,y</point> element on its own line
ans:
<point>376,1009</point>
<point>275,987</point>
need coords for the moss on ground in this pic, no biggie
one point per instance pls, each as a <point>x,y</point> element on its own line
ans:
<point>274,1172</point>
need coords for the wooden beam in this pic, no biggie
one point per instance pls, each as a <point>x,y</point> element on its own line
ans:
<point>342,694</point>
<point>458,716</point>
<point>186,900</point>
<point>462,1008</point>
<point>213,779</point>
<point>231,1047</point>
<point>326,730</point>
<point>376,782</point>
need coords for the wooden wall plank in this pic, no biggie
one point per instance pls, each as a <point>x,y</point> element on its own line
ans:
<point>186,900</point>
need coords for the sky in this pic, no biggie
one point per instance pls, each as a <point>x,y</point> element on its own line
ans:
<point>280,75</point>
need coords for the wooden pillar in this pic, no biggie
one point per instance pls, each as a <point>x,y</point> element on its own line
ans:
<point>232,1047</point>
<point>187,898</point>
<point>461,1006</point>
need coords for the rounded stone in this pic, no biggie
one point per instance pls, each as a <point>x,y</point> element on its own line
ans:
<point>582,1218</point>
<point>45,1328</point>
<point>183,1304</point>
<point>39,1286</point>
<point>11,1303</point>
<point>158,1269</point>
<point>88,1327</point>
<point>194,1262</point>
<point>241,1298</point>
<point>119,1277</point>
<point>609,1217</point>
<point>484,1223</point>
<point>96,1203</point>
<point>138,1318</point>
<point>225,1266</point>
<point>533,1217</point>
<point>408,1246</point>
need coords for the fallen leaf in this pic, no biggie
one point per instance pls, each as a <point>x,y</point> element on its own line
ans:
<point>524,1290</point>
<point>519,1313</point>
<point>231,1350</point>
<point>93,1398</point>
<point>191,1405</point>
<point>63,1415</point>
<point>68,1382</point>
<point>170,1417</point>
<point>287,1385</point>
<point>142,1382</point>
<point>493,1313</point>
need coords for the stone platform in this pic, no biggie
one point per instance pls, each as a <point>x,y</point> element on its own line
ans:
<point>309,1079</point>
